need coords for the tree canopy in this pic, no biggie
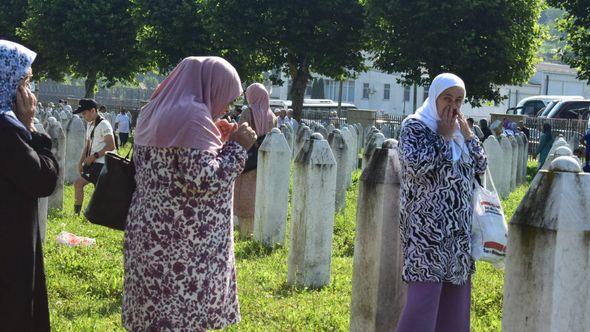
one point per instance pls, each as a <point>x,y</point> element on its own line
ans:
<point>172,30</point>
<point>91,39</point>
<point>13,13</point>
<point>486,42</point>
<point>298,37</point>
<point>576,26</point>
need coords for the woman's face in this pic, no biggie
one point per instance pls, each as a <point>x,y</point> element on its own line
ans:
<point>450,98</point>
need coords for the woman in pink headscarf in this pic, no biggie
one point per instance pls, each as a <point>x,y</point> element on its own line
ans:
<point>179,253</point>
<point>262,121</point>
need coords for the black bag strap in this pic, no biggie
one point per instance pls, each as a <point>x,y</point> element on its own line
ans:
<point>96,122</point>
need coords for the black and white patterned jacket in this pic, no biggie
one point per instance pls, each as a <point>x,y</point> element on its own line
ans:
<point>436,205</point>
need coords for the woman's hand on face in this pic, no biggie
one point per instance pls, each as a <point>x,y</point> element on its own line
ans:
<point>447,123</point>
<point>244,135</point>
<point>464,126</point>
<point>26,102</point>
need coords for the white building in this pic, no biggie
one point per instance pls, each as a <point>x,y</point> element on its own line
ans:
<point>380,91</point>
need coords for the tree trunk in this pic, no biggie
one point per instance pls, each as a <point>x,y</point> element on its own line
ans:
<point>300,76</point>
<point>89,85</point>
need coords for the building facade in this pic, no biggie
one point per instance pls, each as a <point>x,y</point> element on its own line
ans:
<point>381,91</point>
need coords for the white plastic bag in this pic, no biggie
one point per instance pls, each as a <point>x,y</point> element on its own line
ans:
<point>72,240</point>
<point>489,232</point>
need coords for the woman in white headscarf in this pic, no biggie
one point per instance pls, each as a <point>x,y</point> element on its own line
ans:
<point>28,170</point>
<point>440,156</point>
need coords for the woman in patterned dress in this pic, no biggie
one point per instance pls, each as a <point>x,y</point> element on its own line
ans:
<point>179,253</point>
<point>262,120</point>
<point>440,156</point>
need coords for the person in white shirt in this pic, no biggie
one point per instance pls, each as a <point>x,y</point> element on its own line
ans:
<point>123,126</point>
<point>99,141</point>
<point>292,121</point>
<point>282,118</point>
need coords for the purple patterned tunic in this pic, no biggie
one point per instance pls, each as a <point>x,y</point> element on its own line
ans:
<point>179,253</point>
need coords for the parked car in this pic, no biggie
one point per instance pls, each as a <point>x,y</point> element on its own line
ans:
<point>570,109</point>
<point>532,106</point>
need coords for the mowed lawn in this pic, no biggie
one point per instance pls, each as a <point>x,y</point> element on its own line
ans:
<point>86,284</point>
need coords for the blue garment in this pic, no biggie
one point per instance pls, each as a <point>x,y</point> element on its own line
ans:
<point>15,60</point>
<point>544,148</point>
<point>587,141</point>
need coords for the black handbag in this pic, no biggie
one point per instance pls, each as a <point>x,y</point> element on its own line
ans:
<point>252,161</point>
<point>111,199</point>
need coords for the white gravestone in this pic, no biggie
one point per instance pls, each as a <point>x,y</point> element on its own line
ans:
<point>560,141</point>
<point>286,130</point>
<point>341,152</point>
<point>546,284</point>
<point>76,140</point>
<point>314,184</point>
<point>43,202</point>
<point>514,169</point>
<point>272,189</point>
<point>375,141</point>
<point>495,160</point>
<point>506,166</point>
<point>303,136</point>
<point>378,292</point>
<point>58,148</point>
<point>350,141</point>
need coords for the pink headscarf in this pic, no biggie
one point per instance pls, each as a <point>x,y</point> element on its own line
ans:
<point>258,100</point>
<point>183,109</point>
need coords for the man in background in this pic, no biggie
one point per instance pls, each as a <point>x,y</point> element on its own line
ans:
<point>123,126</point>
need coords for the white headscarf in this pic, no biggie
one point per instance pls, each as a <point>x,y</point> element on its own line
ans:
<point>429,115</point>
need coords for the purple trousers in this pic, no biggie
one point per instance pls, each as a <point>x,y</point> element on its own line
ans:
<point>440,307</point>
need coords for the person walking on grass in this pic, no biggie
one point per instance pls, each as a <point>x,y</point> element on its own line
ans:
<point>99,141</point>
<point>123,126</point>
<point>439,156</point>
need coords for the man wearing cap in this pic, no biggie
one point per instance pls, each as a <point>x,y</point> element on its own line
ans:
<point>99,140</point>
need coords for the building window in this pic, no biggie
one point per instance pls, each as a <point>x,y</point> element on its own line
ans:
<point>365,90</point>
<point>386,91</point>
<point>425,94</point>
<point>406,93</point>
<point>350,88</point>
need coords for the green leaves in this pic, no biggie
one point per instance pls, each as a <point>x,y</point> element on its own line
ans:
<point>576,27</point>
<point>487,43</point>
<point>86,38</point>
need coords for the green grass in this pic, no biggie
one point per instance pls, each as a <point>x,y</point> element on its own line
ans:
<point>85,284</point>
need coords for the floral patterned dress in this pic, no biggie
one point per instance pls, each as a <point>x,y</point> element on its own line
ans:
<point>179,253</point>
<point>436,205</point>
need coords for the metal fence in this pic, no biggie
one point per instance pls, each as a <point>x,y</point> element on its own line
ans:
<point>383,119</point>
<point>572,130</point>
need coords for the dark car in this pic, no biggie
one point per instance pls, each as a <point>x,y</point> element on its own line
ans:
<point>571,109</point>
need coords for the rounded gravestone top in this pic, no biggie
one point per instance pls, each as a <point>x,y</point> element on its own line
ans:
<point>563,151</point>
<point>565,164</point>
<point>560,142</point>
<point>389,143</point>
<point>317,136</point>
<point>52,120</point>
<point>336,132</point>
<point>276,130</point>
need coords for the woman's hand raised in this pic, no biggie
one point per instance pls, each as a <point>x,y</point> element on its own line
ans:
<point>26,103</point>
<point>244,135</point>
<point>447,123</point>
